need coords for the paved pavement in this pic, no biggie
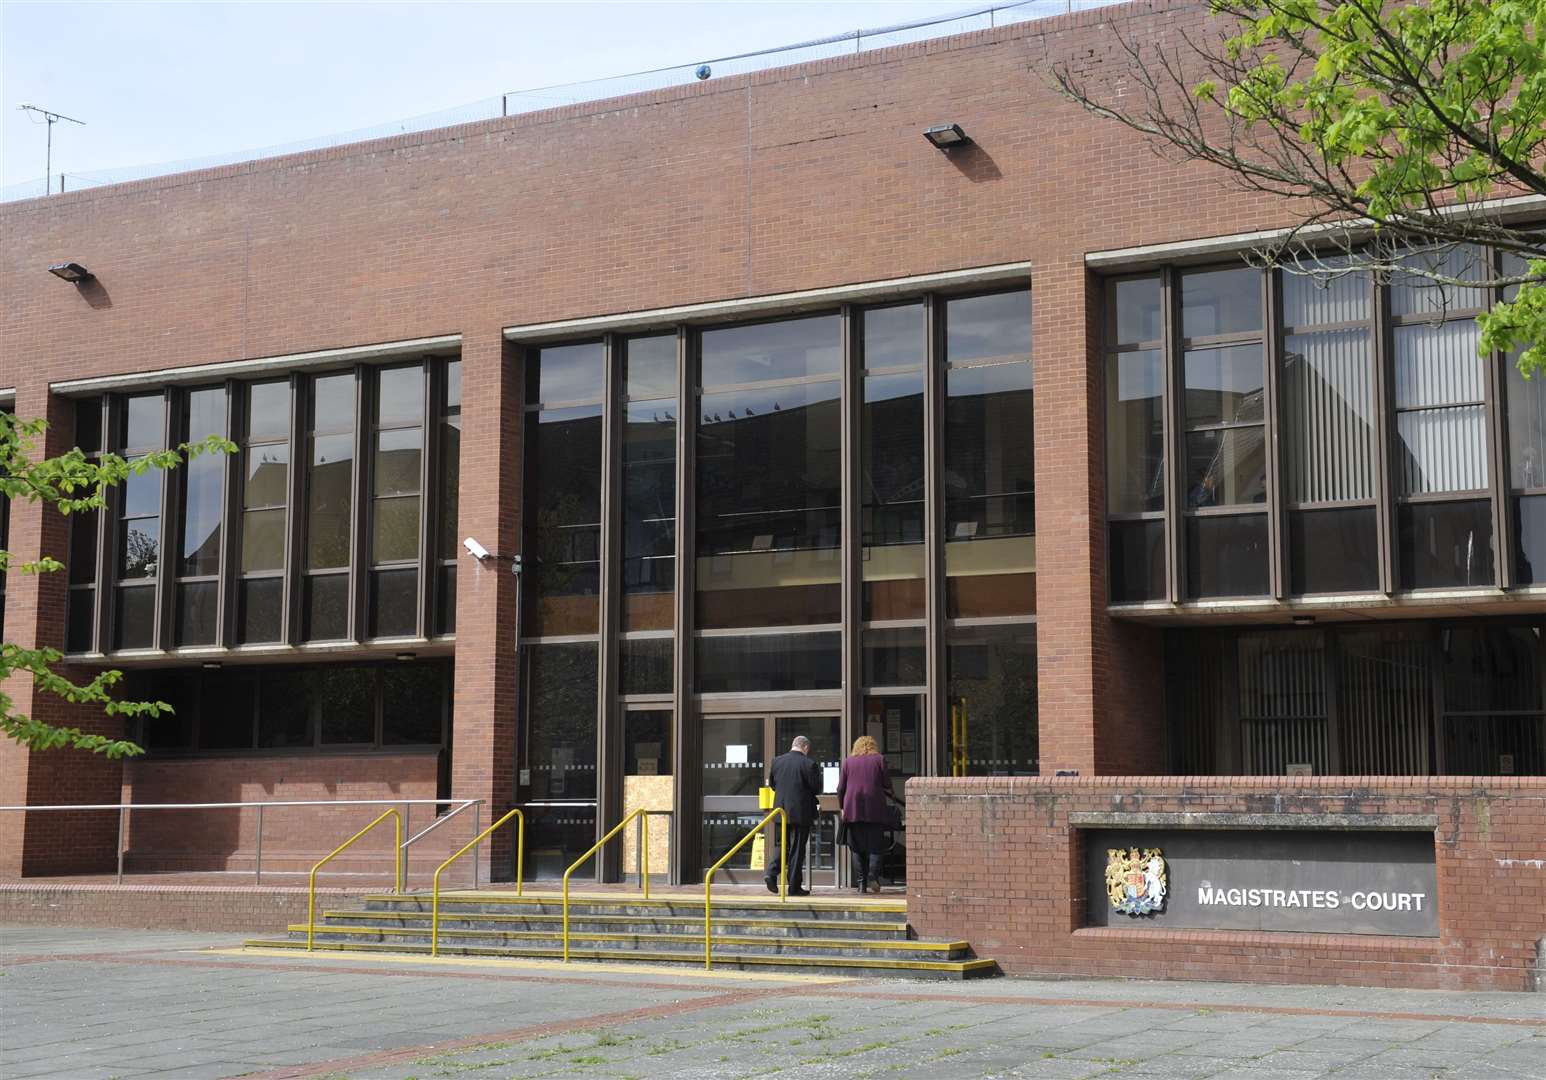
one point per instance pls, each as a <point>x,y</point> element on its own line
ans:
<point>90,1004</point>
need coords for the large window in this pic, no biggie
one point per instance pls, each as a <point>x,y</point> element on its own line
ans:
<point>397,504</point>
<point>315,530</point>
<point>1330,433</point>
<point>203,505</point>
<point>447,546</point>
<point>265,515</point>
<point>1396,699</point>
<point>989,461</point>
<point>769,475</point>
<point>141,424</point>
<point>329,508</point>
<point>562,575</point>
<point>81,619</point>
<point>857,490</point>
<point>6,417</point>
<point>1135,439</point>
<point>318,707</point>
<point>1444,520</point>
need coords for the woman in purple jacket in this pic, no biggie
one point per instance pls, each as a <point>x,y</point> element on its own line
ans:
<point>863,789</point>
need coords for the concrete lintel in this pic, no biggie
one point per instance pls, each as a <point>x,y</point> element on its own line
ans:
<point>1285,820</point>
<point>265,365</point>
<point>773,304</point>
<point>1119,260</point>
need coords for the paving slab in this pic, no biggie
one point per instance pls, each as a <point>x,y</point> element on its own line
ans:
<point>171,1006</point>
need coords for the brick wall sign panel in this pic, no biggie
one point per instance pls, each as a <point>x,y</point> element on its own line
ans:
<point>1313,881</point>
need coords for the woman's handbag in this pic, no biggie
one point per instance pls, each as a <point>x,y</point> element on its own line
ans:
<point>842,831</point>
<point>893,816</point>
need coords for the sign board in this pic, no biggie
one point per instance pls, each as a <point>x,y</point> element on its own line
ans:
<point>1307,880</point>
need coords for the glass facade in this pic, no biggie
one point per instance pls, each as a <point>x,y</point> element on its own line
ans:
<point>316,530</point>
<point>1330,435</point>
<point>1375,699</point>
<point>811,456</point>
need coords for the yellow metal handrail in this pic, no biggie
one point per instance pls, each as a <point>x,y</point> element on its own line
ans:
<point>783,875</point>
<point>644,864</point>
<point>520,870</point>
<point>397,852</point>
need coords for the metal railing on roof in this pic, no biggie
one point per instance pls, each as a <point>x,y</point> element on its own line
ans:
<point>516,102</point>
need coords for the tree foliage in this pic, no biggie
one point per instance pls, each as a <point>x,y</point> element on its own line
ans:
<point>71,484</point>
<point>1394,125</point>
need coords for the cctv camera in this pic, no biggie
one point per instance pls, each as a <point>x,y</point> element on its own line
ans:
<point>475,549</point>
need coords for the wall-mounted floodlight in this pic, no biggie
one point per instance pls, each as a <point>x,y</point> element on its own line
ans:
<point>73,272</point>
<point>946,136</point>
<point>475,549</point>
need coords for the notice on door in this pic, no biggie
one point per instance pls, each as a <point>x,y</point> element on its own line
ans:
<point>1309,880</point>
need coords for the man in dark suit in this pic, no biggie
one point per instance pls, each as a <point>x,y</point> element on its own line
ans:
<point>796,781</point>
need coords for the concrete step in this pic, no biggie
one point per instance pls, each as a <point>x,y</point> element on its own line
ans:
<point>673,942</point>
<point>763,927</point>
<point>835,965</point>
<point>735,906</point>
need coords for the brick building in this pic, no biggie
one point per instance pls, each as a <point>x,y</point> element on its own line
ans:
<point>796,423</point>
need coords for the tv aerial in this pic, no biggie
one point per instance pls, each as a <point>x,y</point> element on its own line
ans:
<point>51,118</point>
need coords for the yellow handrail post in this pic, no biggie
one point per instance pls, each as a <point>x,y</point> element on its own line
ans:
<point>595,848</point>
<point>520,870</point>
<point>397,877</point>
<point>708,878</point>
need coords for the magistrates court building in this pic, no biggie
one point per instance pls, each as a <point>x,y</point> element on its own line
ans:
<point>795,422</point>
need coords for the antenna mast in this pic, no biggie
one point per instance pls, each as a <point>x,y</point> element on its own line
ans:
<point>48,161</point>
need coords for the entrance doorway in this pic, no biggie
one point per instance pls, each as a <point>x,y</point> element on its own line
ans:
<point>895,722</point>
<point>738,750</point>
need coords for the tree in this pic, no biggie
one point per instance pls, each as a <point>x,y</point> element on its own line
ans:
<point>1395,127</point>
<point>72,484</point>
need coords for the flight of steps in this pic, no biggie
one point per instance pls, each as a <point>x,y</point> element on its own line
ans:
<point>833,936</point>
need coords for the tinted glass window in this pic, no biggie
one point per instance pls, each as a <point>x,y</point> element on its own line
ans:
<point>894,336</point>
<point>203,487</point>
<point>650,367</point>
<point>1133,311</point>
<point>992,700</point>
<point>995,327</point>
<point>1135,432</point>
<point>1221,302</point>
<point>400,396</point>
<point>1137,559</point>
<point>769,662</point>
<point>413,698</point>
<point>1447,544</point>
<point>561,720</point>
<point>1333,551</point>
<point>1226,556</point>
<point>566,373</point>
<point>792,349</point>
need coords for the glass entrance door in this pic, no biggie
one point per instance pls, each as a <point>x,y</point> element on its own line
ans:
<point>738,750</point>
<point>895,722</point>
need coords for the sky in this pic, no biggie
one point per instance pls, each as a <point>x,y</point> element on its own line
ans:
<point>169,82</point>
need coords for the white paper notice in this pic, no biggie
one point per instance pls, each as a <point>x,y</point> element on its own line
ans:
<point>829,779</point>
<point>735,754</point>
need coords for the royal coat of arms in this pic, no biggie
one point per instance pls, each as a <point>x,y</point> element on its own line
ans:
<point>1135,880</point>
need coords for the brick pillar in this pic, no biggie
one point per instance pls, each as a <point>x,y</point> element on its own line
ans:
<point>51,843</point>
<point>484,717</point>
<point>1100,683</point>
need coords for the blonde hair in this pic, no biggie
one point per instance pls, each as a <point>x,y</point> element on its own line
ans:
<point>864,744</point>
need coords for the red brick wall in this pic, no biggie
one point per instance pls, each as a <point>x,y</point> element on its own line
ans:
<point>148,907</point>
<point>293,837</point>
<point>997,862</point>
